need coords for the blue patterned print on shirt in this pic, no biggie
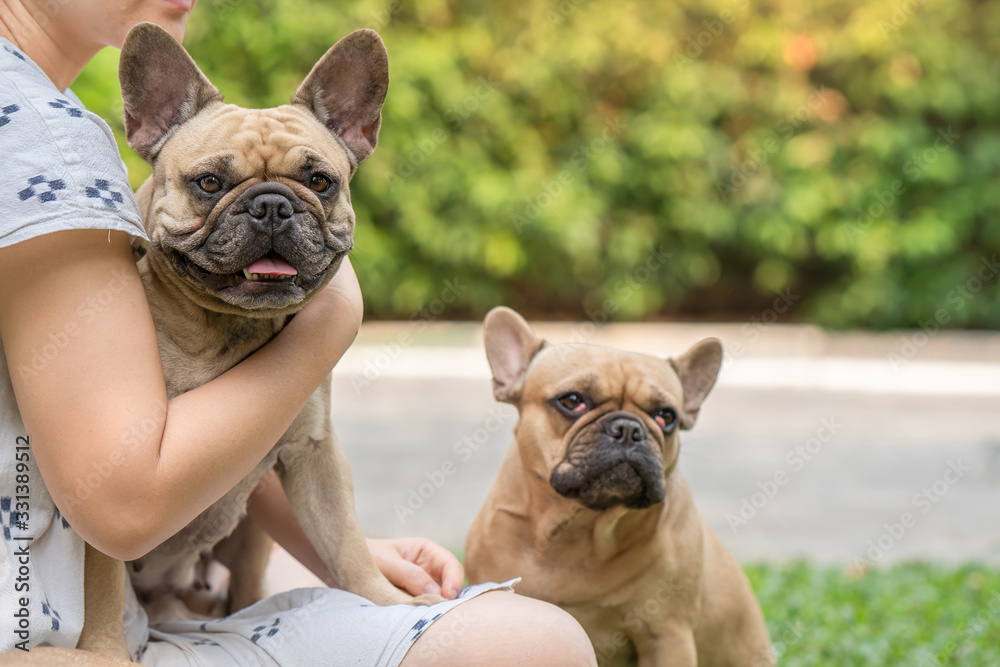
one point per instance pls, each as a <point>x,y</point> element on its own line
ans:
<point>62,519</point>
<point>6,517</point>
<point>16,54</point>
<point>205,642</point>
<point>272,630</point>
<point>421,625</point>
<point>102,190</point>
<point>52,614</point>
<point>6,112</point>
<point>68,106</point>
<point>44,195</point>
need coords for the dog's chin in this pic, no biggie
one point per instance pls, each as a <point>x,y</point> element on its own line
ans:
<point>235,292</point>
<point>624,482</point>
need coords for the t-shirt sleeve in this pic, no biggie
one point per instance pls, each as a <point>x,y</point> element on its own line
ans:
<point>61,168</point>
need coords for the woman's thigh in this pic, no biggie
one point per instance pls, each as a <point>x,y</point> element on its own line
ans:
<point>301,627</point>
<point>503,629</point>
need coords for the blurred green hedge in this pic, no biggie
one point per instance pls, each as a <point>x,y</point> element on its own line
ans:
<point>550,155</point>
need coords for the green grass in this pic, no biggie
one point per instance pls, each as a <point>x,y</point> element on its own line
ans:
<point>913,614</point>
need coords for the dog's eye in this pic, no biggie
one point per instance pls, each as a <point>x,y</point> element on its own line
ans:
<point>319,183</point>
<point>573,403</point>
<point>666,418</point>
<point>210,183</point>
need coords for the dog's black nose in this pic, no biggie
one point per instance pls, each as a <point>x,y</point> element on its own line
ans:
<point>270,206</point>
<point>625,431</point>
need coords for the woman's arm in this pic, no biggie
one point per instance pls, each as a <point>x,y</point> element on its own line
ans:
<point>127,467</point>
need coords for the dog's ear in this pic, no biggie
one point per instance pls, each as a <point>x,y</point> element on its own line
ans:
<point>510,345</point>
<point>346,88</point>
<point>161,87</point>
<point>697,369</point>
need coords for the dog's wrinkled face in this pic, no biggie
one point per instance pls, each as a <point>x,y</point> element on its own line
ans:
<point>249,211</point>
<point>251,208</point>
<point>614,419</point>
<point>601,425</point>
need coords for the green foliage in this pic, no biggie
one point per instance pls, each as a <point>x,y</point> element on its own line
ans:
<point>543,152</point>
<point>914,614</point>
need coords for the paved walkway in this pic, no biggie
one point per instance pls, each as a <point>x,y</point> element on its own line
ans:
<point>842,448</point>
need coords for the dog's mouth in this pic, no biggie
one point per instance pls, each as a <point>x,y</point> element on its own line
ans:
<point>270,276</point>
<point>270,267</point>
<point>634,481</point>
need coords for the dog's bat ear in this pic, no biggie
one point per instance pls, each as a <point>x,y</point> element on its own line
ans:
<point>161,87</point>
<point>346,88</point>
<point>510,345</point>
<point>697,369</point>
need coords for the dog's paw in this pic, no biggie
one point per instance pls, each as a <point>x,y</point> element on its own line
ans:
<point>425,600</point>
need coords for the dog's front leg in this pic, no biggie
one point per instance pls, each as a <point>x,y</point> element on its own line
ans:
<point>245,552</point>
<point>673,645</point>
<point>317,480</point>
<point>104,605</point>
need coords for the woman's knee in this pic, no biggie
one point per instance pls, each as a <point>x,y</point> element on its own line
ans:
<point>503,629</point>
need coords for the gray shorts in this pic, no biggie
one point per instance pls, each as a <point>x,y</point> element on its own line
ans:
<point>306,626</point>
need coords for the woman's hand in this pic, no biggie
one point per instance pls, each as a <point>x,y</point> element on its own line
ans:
<point>418,566</point>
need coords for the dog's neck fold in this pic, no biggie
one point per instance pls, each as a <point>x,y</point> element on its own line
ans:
<point>192,327</point>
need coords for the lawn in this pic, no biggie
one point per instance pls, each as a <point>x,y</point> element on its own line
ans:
<point>914,614</point>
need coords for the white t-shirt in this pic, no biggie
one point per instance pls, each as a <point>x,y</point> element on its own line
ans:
<point>59,169</point>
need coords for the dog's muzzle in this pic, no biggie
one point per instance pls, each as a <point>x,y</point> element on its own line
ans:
<point>267,252</point>
<point>612,462</point>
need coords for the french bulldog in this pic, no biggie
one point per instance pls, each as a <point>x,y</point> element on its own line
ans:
<point>248,214</point>
<point>591,511</point>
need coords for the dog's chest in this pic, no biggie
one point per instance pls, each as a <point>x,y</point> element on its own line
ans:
<point>195,349</point>
<point>188,364</point>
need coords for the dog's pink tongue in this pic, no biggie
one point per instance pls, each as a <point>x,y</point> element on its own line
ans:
<point>273,266</point>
